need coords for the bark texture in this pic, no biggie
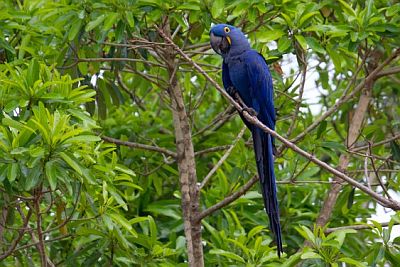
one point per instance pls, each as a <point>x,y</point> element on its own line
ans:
<point>186,161</point>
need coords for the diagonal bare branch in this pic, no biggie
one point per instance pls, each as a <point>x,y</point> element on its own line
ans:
<point>252,119</point>
<point>222,159</point>
<point>139,146</point>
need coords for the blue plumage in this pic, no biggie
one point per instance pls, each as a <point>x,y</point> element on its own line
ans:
<point>246,71</point>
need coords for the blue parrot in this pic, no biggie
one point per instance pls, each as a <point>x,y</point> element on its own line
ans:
<point>244,71</point>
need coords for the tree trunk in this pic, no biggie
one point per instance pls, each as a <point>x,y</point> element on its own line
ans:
<point>186,162</point>
<point>355,124</point>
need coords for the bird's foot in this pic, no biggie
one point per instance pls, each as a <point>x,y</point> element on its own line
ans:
<point>231,91</point>
<point>251,111</point>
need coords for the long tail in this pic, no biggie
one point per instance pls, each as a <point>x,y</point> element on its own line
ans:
<point>265,164</point>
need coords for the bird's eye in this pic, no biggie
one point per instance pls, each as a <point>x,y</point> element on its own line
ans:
<point>226,29</point>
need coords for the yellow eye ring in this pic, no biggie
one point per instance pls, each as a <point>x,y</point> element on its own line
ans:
<point>226,29</point>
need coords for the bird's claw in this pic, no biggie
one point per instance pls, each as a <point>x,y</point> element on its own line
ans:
<point>251,111</point>
<point>231,91</point>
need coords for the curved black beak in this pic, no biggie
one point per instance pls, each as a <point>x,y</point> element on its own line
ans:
<point>219,44</point>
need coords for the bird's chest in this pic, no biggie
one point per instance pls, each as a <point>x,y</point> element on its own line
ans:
<point>239,77</point>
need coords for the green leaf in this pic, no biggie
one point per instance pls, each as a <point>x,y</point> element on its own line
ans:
<point>70,160</point>
<point>119,31</point>
<point>138,220</point>
<point>74,30</point>
<point>13,123</point>
<point>89,231</point>
<point>284,43</point>
<point>347,8</point>
<point>93,24</point>
<point>227,254</point>
<point>26,39</point>
<point>130,19</point>
<point>4,44</point>
<point>377,225</point>
<point>51,174</point>
<point>110,20</point>
<point>33,72</point>
<point>189,6</point>
<point>306,17</point>
<point>336,59</point>
<point>256,230</point>
<point>117,197</point>
<point>350,199</point>
<point>124,169</point>
<point>153,229</point>
<point>314,45</point>
<point>321,128</point>
<point>122,221</point>
<point>33,178</point>
<point>353,262</point>
<point>306,233</point>
<point>395,150</point>
<point>310,255</point>
<point>301,40</point>
<point>271,35</point>
<point>13,170</point>
<point>83,138</point>
<point>333,145</point>
<point>217,8</point>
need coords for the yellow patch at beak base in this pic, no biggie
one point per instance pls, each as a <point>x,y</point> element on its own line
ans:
<point>229,40</point>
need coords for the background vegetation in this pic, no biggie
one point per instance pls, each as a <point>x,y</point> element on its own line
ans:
<point>108,134</point>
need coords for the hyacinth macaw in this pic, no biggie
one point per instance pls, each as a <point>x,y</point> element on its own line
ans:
<point>244,71</point>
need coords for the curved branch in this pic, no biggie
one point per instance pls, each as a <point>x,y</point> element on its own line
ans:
<point>139,146</point>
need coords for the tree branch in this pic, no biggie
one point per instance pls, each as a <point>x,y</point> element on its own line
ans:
<point>358,227</point>
<point>301,90</point>
<point>372,76</point>
<point>21,233</point>
<point>222,159</point>
<point>383,201</point>
<point>139,146</point>
<point>212,149</point>
<point>395,137</point>
<point>226,201</point>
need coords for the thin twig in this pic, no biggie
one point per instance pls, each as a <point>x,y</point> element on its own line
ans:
<point>219,119</point>
<point>369,170</point>
<point>296,182</point>
<point>139,146</point>
<point>395,137</point>
<point>387,72</point>
<point>293,179</point>
<point>111,59</point>
<point>299,101</point>
<point>222,159</point>
<point>133,97</point>
<point>358,227</point>
<point>226,201</point>
<point>45,241</point>
<point>15,242</point>
<point>211,149</point>
<point>376,173</point>
<point>346,98</point>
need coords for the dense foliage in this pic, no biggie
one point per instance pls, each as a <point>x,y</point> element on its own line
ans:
<point>79,78</point>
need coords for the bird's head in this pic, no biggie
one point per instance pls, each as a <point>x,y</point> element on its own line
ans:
<point>225,39</point>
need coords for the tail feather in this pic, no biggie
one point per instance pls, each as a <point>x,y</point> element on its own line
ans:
<point>263,148</point>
